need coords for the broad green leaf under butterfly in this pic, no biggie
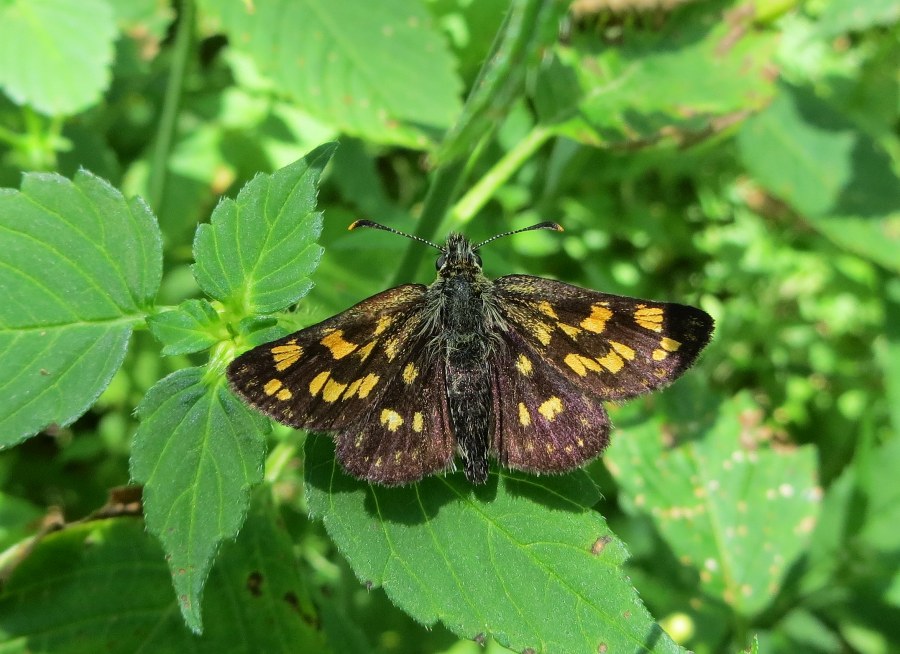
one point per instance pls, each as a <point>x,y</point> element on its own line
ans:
<point>102,586</point>
<point>55,55</point>
<point>198,451</point>
<point>380,71</point>
<point>731,506</point>
<point>523,560</point>
<point>257,252</point>
<point>80,267</point>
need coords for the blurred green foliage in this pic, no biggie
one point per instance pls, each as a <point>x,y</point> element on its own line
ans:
<point>739,156</point>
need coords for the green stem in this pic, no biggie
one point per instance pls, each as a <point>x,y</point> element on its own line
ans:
<point>171,102</point>
<point>279,458</point>
<point>472,202</point>
<point>441,193</point>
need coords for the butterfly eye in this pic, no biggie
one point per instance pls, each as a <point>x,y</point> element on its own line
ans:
<point>441,260</point>
<point>477,259</point>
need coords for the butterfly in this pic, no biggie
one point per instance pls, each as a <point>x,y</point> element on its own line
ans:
<point>515,369</point>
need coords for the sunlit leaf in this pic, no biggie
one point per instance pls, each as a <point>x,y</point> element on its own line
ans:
<point>523,560</point>
<point>80,267</point>
<point>198,451</point>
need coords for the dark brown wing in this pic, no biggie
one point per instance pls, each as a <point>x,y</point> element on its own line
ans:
<point>612,346</point>
<point>542,421</point>
<point>331,375</point>
<point>406,435</point>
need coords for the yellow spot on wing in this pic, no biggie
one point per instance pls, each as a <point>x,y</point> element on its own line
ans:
<point>551,408</point>
<point>383,323</point>
<point>669,344</point>
<point>333,390</point>
<point>368,383</point>
<point>596,322</point>
<point>418,422</point>
<point>624,351</point>
<point>524,416</point>
<point>391,347</point>
<point>547,309</point>
<point>286,355</point>
<point>318,382</point>
<point>649,318</point>
<point>612,362</point>
<point>523,365</point>
<point>284,394</point>
<point>352,388</point>
<point>659,355</point>
<point>364,352</point>
<point>410,372</point>
<point>335,342</point>
<point>391,419</point>
<point>569,330</point>
<point>580,364</point>
<point>541,332</point>
<point>271,386</point>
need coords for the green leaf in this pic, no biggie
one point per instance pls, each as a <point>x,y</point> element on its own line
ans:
<point>674,82</point>
<point>258,251</point>
<point>383,73</point>
<point>102,586</point>
<point>840,16</point>
<point>56,54</point>
<point>198,451</point>
<point>80,267</point>
<point>522,560</point>
<point>193,326</point>
<point>812,157</point>
<point>732,507</point>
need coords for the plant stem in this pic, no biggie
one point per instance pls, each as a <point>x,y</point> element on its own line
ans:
<point>171,103</point>
<point>470,204</point>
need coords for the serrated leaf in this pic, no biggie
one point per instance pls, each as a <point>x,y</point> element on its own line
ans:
<point>80,268</point>
<point>56,54</point>
<point>193,326</point>
<point>669,83</point>
<point>258,251</point>
<point>103,587</point>
<point>198,451</point>
<point>731,507</point>
<point>383,73</point>
<point>812,157</point>
<point>523,560</point>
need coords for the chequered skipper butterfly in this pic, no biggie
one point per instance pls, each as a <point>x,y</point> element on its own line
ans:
<point>515,368</point>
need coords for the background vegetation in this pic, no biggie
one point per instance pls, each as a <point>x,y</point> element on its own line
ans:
<point>740,156</point>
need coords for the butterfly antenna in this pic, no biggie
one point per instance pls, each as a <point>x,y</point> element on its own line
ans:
<point>374,225</point>
<point>547,225</point>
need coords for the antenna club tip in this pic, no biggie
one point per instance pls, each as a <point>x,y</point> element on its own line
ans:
<point>556,227</point>
<point>358,223</point>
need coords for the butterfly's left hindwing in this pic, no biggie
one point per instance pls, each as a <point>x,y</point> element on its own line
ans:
<point>612,346</point>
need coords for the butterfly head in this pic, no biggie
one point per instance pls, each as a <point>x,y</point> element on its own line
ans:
<point>459,256</point>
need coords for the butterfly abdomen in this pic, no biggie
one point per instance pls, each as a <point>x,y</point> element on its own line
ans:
<point>465,344</point>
